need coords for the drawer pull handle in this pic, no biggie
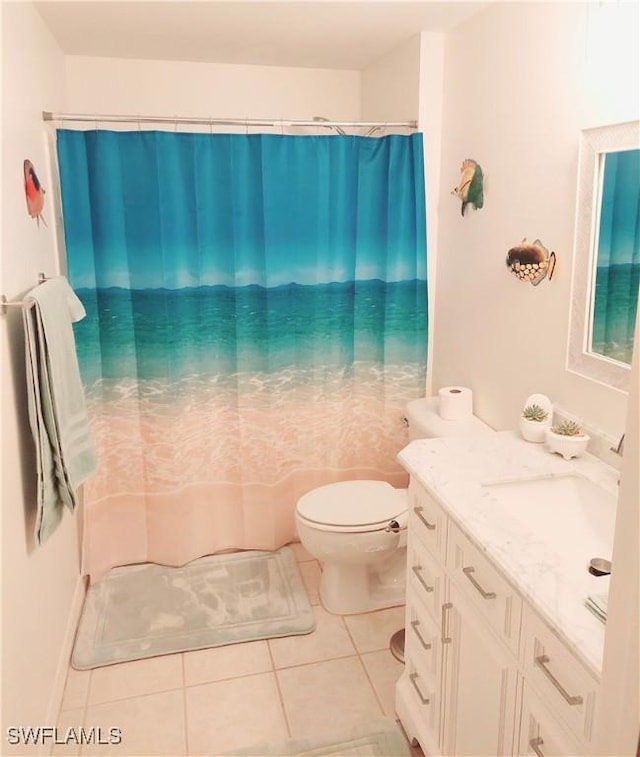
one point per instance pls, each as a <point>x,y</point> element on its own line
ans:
<point>542,661</point>
<point>418,512</point>
<point>535,743</point>
<point>412,678</point>
<point>485,594</point>
<point>445,639</point>
<point>414,625</point>
<point>416,569</point>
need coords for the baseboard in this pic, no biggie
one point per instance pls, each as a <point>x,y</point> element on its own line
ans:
<point>57,691</point>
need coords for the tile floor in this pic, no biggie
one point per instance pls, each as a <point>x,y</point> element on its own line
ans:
<point>214,700</point>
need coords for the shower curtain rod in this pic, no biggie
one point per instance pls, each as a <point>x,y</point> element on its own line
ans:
<point>318,121</point>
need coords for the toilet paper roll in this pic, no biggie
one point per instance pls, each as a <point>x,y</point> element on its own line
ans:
<point>456,403</point>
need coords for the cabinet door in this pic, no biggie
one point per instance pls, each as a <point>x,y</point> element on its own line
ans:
<point>480,684</point>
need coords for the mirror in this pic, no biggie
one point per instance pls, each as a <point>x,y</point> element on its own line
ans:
<point>607,254</point>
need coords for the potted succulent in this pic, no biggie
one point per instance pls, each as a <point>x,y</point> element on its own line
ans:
<point>534,423</point>
<point>567,439</point>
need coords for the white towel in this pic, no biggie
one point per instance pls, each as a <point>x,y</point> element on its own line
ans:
<point>57,412</point>
<point>597,602</point>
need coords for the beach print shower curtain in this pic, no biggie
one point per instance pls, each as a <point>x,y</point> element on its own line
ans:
<point>256,323</point>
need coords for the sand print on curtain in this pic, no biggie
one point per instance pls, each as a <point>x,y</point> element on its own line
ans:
<point>256,322</point>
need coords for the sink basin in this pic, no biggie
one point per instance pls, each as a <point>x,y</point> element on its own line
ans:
<point>552,507</point>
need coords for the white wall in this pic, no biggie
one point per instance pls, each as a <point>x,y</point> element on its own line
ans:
<point>40,585</point>
<point>611,71</point>
<point>518,89</point>
<point>407,85</point>
<point>390,88</point>
<point>431,103</point>
<point>167,88</point>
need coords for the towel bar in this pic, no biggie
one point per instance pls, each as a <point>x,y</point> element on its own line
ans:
<point>5,303</point>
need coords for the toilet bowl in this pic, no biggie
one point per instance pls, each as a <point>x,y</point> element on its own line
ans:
<point>358,529</point>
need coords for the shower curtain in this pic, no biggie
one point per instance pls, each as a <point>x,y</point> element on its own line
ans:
<point>256,322</point>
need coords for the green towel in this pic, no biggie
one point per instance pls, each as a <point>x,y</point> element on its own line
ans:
<point>57,412</point>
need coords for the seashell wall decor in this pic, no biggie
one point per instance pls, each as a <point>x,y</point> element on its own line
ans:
<point>531,262</point>
<point>470,189</point>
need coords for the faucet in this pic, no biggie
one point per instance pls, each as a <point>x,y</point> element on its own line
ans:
<point>620,448</point>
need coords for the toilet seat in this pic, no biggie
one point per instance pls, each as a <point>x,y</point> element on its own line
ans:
<point>351,506</point>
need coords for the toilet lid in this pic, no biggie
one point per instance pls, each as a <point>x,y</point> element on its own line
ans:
<point>353,503</point>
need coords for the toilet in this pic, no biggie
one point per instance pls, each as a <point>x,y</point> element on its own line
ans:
<point>358,529</point>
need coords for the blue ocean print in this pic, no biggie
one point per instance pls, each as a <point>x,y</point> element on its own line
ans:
<point>256,310</point>
<point>618,258</point>
<point>224,330</point>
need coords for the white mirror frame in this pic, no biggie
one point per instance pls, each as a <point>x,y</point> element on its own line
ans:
<point>593,143</point>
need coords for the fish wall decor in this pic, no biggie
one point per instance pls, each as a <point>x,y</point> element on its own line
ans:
<point>470,188</point>
<point>34,192</point>
<point>531,262</point>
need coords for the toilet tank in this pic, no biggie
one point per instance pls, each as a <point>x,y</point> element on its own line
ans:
<point>425,422</point>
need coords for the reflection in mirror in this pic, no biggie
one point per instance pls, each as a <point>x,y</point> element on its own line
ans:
<point>617,256</point>
<point>607,254</point>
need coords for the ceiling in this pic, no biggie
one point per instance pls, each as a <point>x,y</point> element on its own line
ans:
<point>305,33</point>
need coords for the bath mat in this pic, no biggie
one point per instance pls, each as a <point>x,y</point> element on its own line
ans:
<point>380,736</point>
<point>147,610</point>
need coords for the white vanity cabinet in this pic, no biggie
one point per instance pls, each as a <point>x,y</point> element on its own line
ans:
<point>484,675</point>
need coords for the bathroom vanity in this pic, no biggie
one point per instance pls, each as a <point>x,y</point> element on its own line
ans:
<point>501,655</point>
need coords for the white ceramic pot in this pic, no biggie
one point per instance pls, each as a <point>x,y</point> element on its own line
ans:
<point>534,431</point>
<point>567,446</point>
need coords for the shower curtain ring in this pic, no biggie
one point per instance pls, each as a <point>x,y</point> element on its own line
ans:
<point>246,126</point>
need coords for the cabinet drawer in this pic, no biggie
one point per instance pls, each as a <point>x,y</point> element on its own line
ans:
<point>540,734</point>
<point>486,587</point>
<point>423,698</point>
<point>558,677</point>
<point>425,576</point>
<point>428,520</point>
<point>422,638</point>
<point>419,722</point>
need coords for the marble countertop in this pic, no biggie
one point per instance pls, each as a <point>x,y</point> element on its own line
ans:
<point>548,566</point>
